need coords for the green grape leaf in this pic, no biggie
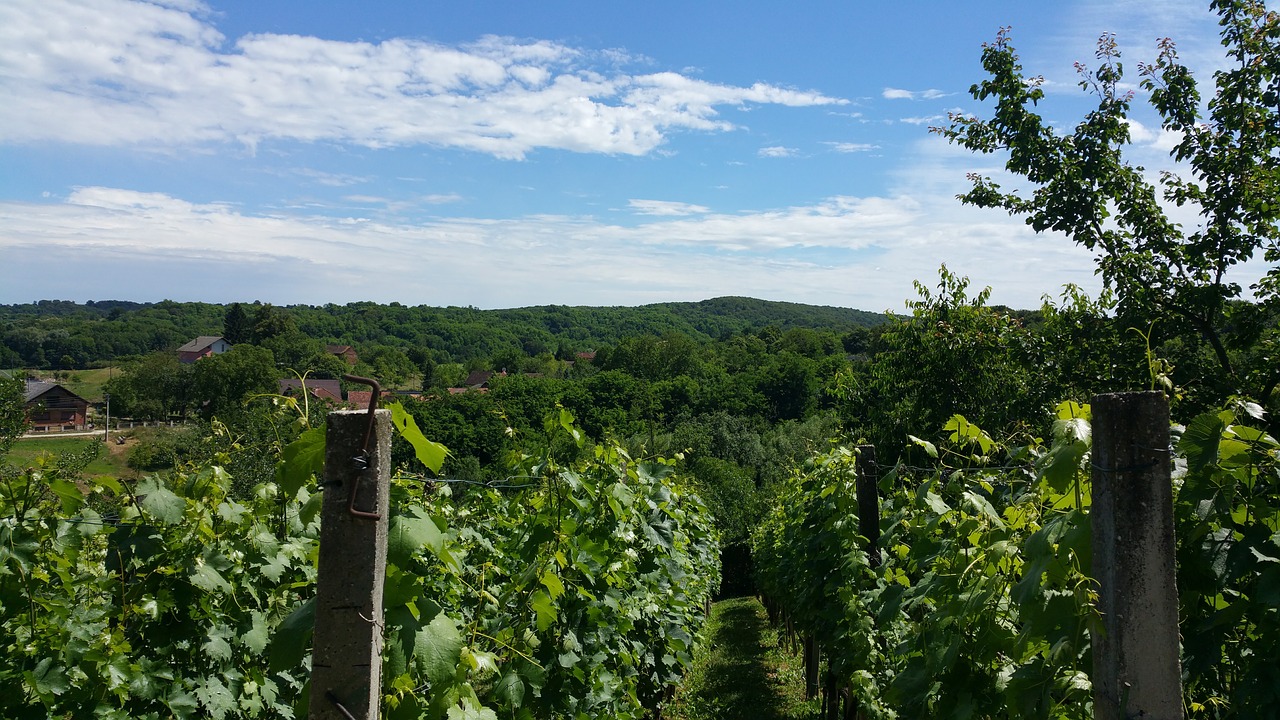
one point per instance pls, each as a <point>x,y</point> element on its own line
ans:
<point>160,502</point>
<point>258,635</point>
<point>1201,438</point>
<point>936,503</point>
<point>431,454</point>
<point>217,645</point>
<point>311,508</point>
<point>552,582</point>
<point>182,703</point>
<point>207,578</point>
<point>437,649</point>
<point>48,679</point>
<point>406,534</point>
<point>69,494</point>
<point>510,690</point>
<point>292,636</point>
<point>929,447</point>
<point>215,697</point>
<point>303,458</point>
<point>545,609</point>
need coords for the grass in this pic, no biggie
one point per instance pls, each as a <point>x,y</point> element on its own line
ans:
<point>110,460</point>
<point>85,383</point>
<point>743,672</point>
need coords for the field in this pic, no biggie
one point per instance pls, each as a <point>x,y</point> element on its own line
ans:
<point>111,461</point>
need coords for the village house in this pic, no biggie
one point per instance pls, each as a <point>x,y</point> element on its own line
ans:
<point>346,352</point>
<point>203,347</point>
<point>50,406</point>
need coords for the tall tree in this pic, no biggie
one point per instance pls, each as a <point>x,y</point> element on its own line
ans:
<point>268,322</point>
<point>236,326</point>
<point>1085,187</point>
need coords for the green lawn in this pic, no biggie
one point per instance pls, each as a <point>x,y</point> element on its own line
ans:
<point>743,672</point>
<point>25,452</point>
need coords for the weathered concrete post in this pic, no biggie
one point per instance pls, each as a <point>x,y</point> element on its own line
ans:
<point>346,660</point>
<point>869,501</point>
<point>1135,655</point>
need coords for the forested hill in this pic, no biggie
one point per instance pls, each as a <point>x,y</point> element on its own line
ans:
<point>63,334</point>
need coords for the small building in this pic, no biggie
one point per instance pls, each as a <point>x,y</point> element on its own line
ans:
<point>320,389</point>
<point>203,347</point>
<point>477,379</point>
<point>346,352</point>
<point>50,406</point>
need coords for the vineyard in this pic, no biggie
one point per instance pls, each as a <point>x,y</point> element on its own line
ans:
<point>947,514</point>
<point>576,589</point>
<point>978,599</point>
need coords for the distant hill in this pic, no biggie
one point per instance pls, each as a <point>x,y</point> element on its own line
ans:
<point>722,315</point>
<point>63,334</point>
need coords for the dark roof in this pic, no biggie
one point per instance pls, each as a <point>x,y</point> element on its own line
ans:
<point>337,349</point>
<point>201,343</point>
<point>37,388</point>
<point>480,378</point>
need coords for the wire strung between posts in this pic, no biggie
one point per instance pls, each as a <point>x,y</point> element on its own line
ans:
<point>1134,468</point>
<point>505,484</point>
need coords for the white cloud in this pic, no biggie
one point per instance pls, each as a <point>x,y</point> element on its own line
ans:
<point>924,120</point>
<point>848,147</point>
<point>899,94</point>
<point>825,253</point>
<point>776,151</point>
<point>666,208</point>
<point>115,72</point>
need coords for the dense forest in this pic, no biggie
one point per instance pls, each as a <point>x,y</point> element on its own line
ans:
<point>65,335</point>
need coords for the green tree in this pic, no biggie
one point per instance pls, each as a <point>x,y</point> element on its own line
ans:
<point>953,355</point>
<point>222,383</point>
<point>13,415</point>
<point>236,326</point>
<point>789,384</point>
<point>388,364</point>
<point>1085,187</point>
<point>269,322</point>
<point>154,388</point>
<point>296,350</point>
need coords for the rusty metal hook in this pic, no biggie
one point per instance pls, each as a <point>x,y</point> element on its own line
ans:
<point>364,458</point>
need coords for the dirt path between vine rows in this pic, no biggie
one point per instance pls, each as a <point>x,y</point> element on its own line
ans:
<point>742,673</point>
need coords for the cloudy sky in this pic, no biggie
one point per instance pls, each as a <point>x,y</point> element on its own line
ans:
<point>499,153</point>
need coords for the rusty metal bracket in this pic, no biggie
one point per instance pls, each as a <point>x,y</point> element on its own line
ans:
<point>363,459</point>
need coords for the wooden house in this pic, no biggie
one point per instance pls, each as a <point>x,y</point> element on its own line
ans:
<point>50,406</point>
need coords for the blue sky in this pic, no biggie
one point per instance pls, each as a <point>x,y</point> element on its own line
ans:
<point>506,154</point>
